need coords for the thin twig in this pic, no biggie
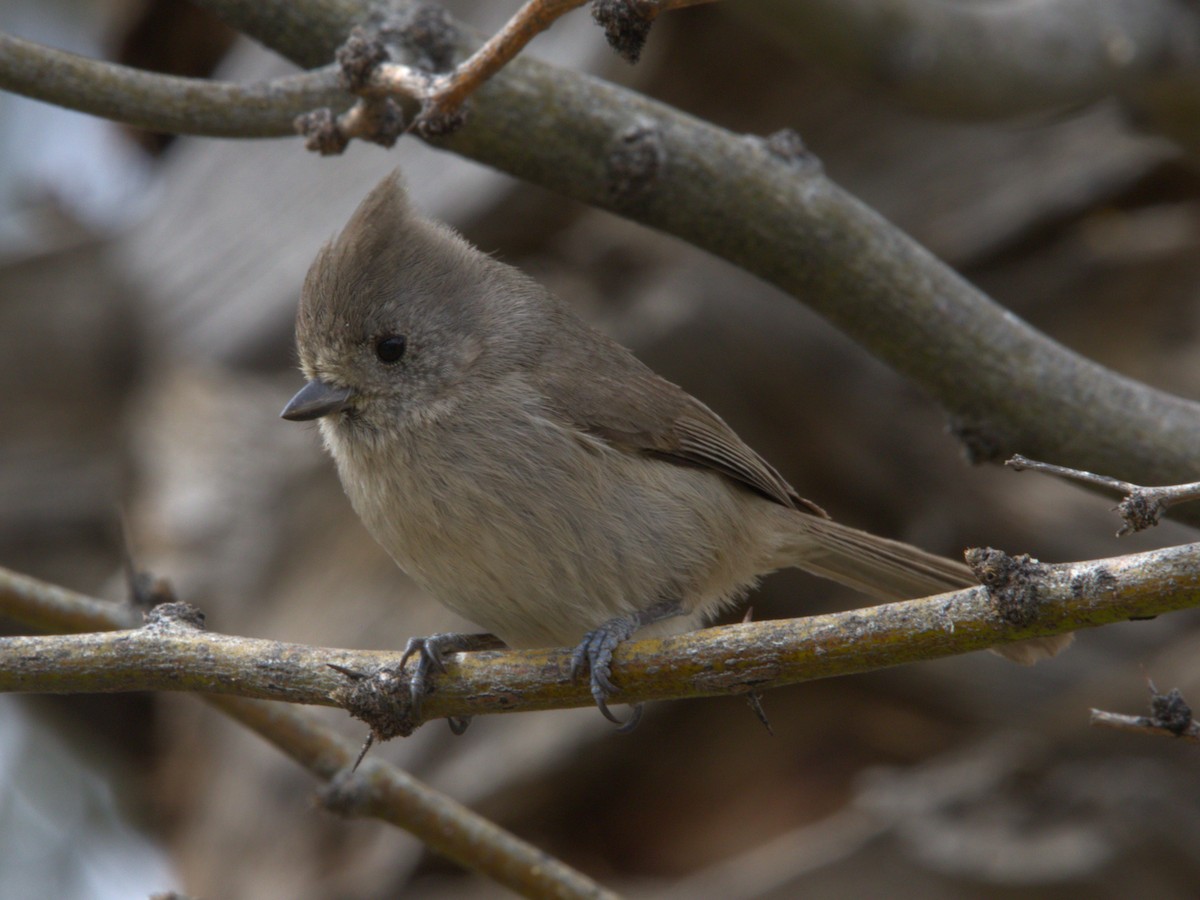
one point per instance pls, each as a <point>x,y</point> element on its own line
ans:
<point>165,102</point>
<point>1142,725</point>
<point>448,92</point>
<point>1142,507</point>
<point>1170,716</point>
<point>368,72</point>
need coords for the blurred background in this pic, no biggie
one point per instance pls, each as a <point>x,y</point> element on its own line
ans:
<point>147,292</point>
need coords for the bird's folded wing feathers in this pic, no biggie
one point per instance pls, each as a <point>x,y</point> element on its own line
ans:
<point>626,404</point>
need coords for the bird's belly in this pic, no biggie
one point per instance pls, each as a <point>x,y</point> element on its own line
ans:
<point>540,547</point>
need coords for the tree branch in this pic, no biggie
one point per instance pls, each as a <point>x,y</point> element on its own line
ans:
<point>376,790</point>
<point>1142,506</point>
<point>1170,716</point>
<point>1007,387</point>
<point>165,102</point>
<point>450,90</point>
<point>382,791</point>
<point>1143,725</point>
<point>1007,58</point>
<point>1052,599</point>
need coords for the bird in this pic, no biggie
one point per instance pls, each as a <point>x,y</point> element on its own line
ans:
<point>532,474</point>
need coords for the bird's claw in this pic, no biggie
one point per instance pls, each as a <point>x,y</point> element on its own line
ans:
<point>595,653</point>
<point>431,657</point>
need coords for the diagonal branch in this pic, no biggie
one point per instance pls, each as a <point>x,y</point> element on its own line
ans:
<point>382,791</point>
<point>165,102</point>
<point>450,90</point>
<point>1007,387</point>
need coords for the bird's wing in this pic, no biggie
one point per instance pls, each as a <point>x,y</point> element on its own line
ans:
<point>609,394</point>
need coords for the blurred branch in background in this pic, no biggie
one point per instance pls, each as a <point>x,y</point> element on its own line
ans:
<point>1170,716</point>
<point>1142,507</point>
<point>381,791</point>
<point>1006,58</point>
<point>164,102</point>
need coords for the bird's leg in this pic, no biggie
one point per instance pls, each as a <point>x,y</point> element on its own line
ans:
<point>430,653</point>
<point>595,652</point>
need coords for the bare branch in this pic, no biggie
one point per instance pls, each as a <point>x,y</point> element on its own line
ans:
<point>449,91</point>
<point>382,791</point>
<point>1142,507</point>
<point>164,102</point>
<point>1170,716</point>
<point>730,660</point>
<point>49,608</point>
<point>377,790</point>
<point>1007,387</point>
<point>1141,725</point>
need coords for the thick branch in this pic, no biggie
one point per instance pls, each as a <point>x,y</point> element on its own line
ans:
<point>1006,58</point>
<point>1008,387</point>
<point>165,102</point>
<point>729,660</point>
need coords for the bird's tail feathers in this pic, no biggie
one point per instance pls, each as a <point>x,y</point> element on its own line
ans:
<point>891,570</point>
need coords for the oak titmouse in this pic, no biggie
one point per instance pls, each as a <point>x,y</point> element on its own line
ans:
<point>529,472</point>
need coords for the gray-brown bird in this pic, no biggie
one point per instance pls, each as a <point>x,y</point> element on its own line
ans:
<point>530,473</point>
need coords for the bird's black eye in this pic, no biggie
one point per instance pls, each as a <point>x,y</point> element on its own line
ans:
<point>390,348</point>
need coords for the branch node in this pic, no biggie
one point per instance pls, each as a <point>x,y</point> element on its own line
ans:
<point>378,120</point>
<point>359,57</point>
<point>175,615</point>
<point>1011,583</point>
<point>381,698</point>
<point>321,132</point>
<point>1140,510</point>
<point>347,794</point>
<point>981,444</point>
<point>437,120</point>
<point>635,160</point>
<point>626,25</point>
<point>787,145</point>
<point>1170,711</point>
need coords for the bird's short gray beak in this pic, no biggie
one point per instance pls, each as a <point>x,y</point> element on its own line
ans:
<point>316,399</point>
